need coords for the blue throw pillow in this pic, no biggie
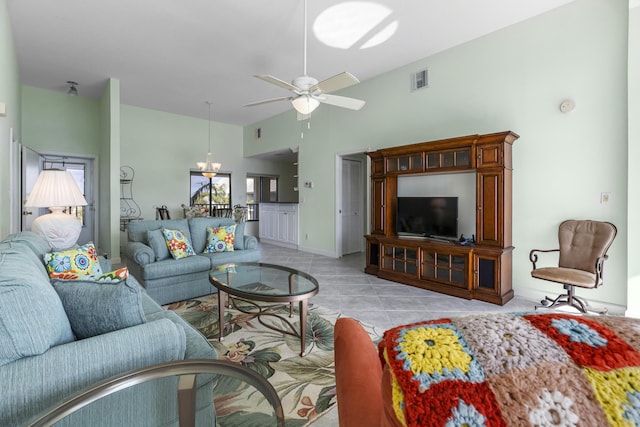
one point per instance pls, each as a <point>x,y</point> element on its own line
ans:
<point>32,318</point>
<point>95,308</point>
<point>158,244</point>
<point>238,243</point>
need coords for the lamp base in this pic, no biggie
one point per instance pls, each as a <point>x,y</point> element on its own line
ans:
<point>60,230</point>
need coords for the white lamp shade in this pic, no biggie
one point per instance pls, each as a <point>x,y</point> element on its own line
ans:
<point>305,104</point>
<point>55,188</point>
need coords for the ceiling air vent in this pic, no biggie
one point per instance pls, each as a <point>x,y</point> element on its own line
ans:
<point>420,80</point>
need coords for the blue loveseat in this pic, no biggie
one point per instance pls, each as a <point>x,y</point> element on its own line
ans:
<point>169,280</point>
<point>42,362</point>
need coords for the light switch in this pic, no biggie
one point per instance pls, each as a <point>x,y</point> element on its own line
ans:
<point>3,109</point>
<point>605,197</point>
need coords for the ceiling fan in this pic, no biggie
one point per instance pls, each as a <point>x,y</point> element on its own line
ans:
<point>308,93</point>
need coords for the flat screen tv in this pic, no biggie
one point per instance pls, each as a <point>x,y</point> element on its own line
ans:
<point>427,217</point>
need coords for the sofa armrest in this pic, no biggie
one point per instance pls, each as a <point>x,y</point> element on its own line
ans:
<point>250,242</point>
<point>140,253</point>
<point>358,376</point>
<point>53,376</point>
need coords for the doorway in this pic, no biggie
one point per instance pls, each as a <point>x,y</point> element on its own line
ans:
<point>351,202</point>
<point>82,170</point>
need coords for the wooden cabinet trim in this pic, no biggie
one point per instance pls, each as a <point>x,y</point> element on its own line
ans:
<point>490,156</point>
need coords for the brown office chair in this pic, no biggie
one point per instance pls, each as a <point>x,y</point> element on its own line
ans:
<point>583,250</point>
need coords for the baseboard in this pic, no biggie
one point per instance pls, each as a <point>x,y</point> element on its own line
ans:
<point>632,313</point>
<point>330,254</point>
<point>539,295</point>
<point>279,243</point>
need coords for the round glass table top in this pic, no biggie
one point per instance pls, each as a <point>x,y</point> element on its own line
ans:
<point>268,282</point>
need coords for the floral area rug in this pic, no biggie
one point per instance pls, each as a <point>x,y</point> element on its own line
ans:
<point>306,385</point>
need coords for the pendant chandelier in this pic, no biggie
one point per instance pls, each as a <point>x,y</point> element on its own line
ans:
<point>209,168</point>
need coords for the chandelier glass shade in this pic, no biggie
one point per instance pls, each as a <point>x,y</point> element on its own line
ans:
<point>209,168</point>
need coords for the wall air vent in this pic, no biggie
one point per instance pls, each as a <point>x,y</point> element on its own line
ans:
<point>420,80</point>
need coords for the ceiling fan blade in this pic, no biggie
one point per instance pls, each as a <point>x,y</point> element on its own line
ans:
<point>266,101</point>
<point>276,81</point>
<point>337,82</point>
<point>341,101</point>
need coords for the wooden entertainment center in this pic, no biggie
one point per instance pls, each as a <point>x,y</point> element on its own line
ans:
<point>475,271</point>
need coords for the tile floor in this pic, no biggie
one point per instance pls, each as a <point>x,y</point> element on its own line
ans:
<point>344,287</point>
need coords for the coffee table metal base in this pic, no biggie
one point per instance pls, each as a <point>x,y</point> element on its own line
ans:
<point>267,311</point>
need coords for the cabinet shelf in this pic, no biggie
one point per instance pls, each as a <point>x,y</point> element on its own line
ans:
<point>481,271</point>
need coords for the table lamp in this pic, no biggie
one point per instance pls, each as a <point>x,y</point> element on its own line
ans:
<point>56,189</point>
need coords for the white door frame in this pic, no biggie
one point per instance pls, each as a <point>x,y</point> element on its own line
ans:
<point>15,197</point>
<point>91,176</point>
<point>338,199</point>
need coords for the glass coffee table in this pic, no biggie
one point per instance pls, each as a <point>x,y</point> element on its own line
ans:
<point>254,282</point>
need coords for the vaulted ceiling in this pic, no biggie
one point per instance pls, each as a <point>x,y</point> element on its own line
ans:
<point>173,55</point>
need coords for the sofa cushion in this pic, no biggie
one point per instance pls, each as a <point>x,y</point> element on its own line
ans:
<point>137,230</point>
<point>220,239</point>
<point>178,243</point>
<point>173,268</point>
<point>218,258</point>
<point>158,244</point>
<point>198,228</point>
<point>22,247</point>
<point>36,243</point>
<point>81,261</point>
<point>32,318</point>
<point>95,308</point>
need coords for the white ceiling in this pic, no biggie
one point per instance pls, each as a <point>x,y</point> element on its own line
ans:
<point>173,55</point>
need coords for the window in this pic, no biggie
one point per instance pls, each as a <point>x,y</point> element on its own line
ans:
<point>211,193</point>
<point>260,188</point>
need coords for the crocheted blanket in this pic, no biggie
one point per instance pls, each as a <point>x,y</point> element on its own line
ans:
<point>516,370</point>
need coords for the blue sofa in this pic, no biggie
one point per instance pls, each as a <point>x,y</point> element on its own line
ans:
<point>42,362</point>
<point>169,280</point>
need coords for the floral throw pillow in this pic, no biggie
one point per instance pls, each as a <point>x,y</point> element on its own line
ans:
<point>220,239</point>
<point>178,243</point>
<point>78,263</point>
<point>110,277</point>
<point>114,276</point>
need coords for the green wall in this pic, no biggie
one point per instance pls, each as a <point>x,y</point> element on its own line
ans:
<point>109,194</point>
<point>10,95</point>
<point>54,122</point>
<point>162,148</point>
<point>633,307</point>
<point>513,79</point>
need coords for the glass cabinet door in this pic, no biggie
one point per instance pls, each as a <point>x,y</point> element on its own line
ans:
<point>444,267</point>
<point>459,158</point>
<point>400,260</point>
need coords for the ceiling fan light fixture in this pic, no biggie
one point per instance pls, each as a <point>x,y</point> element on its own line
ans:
<point>305,104</point>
